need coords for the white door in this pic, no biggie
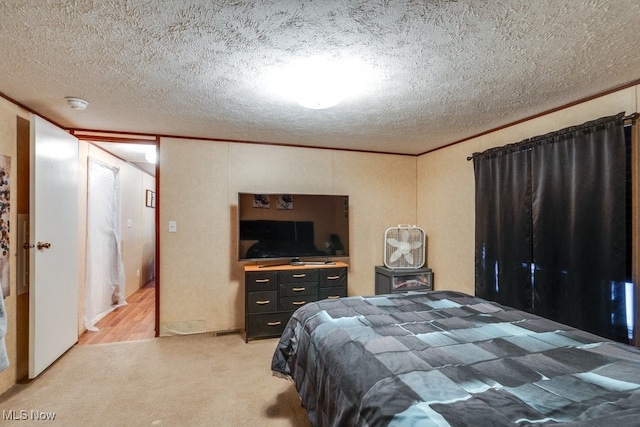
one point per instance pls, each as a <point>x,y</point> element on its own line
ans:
<point>53,231</point>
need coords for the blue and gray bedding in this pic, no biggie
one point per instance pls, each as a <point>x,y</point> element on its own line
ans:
<point>449,359</point>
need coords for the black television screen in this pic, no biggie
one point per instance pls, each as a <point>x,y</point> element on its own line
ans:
<point>292,226</point>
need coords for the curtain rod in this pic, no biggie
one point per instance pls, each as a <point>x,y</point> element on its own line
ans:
<point>633,117</point>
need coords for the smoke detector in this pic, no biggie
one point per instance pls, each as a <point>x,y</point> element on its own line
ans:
<point>77,103</point>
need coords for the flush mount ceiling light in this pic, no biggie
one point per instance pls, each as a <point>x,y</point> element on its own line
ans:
<point>151,156</point>
<point>77,103</point>
<point>319,83</point>
<point>137,152</point>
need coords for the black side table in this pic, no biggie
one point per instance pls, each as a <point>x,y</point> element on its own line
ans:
<point>390,281</point>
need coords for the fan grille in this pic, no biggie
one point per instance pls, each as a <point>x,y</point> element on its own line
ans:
<point>404,247</point>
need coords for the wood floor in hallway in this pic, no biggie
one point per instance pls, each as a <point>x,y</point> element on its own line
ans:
<point>134,321</point>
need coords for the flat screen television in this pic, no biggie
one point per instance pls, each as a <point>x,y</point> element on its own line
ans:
<point>292,227</point>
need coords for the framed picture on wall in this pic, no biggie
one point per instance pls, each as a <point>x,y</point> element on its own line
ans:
<point>150,200</point>
<point>285,201</point>
<point>261,201</point>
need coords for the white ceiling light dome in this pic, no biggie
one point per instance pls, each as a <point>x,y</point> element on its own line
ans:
<point>321,82</point>
<point>151,156</point>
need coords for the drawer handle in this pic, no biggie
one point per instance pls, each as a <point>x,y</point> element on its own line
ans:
<point>333,277</point>
<point>262,280</point>
<point>333,297</point>
<point>298,276</point>
<point>298,289</point>
<point>274,323</point>
<point>263,302</point>
<point>299,302</point>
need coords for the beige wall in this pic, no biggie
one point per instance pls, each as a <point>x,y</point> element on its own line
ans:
<point>382,194</point>
<point>147,231</point>
<point>446,212</point>
<point>201,280</point>
<point>446,186</point>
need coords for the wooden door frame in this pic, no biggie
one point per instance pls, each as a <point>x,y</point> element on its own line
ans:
<point>157,228</point>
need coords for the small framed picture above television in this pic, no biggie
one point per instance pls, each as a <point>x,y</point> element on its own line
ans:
<point>285,201</point>
<point>261,201</point>
<point>292,226</point>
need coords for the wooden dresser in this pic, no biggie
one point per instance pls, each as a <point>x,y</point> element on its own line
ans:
<point>273,293</point>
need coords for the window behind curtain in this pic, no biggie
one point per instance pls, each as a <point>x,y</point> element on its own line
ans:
<point>551,226</point>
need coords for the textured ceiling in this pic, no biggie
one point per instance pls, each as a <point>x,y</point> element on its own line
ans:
<point>431,72</point>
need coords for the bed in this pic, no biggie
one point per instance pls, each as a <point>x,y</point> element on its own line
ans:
<point>446,358</point>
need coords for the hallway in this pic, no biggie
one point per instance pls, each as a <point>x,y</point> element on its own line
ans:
<point>135,321</point>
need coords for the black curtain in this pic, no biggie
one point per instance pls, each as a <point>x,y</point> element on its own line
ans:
<point>551,226</point>
<point>503,211</point>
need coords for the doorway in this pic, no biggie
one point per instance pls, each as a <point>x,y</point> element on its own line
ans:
<point>136,319</point>
<point>147,304</point>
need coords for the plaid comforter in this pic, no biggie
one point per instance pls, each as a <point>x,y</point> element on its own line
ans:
<point>446,358</point>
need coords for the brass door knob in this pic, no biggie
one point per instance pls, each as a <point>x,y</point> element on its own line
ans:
<point>43,245</point>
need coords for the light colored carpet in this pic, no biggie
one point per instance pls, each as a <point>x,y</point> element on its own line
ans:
<point>194,380</point>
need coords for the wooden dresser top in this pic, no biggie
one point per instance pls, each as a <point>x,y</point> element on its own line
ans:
<point>265,267</point>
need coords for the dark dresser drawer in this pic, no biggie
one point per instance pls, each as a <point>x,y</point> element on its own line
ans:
<point>261,281</point>
<point>295,289</point>
<point>262,302</point>
<point>333,277</point>
<point>333,292</point>
<point>294,276</point>
<point>294,303</point>
<point>267,325</point>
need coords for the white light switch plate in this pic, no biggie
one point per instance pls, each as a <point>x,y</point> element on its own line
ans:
<point>172,227</point>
